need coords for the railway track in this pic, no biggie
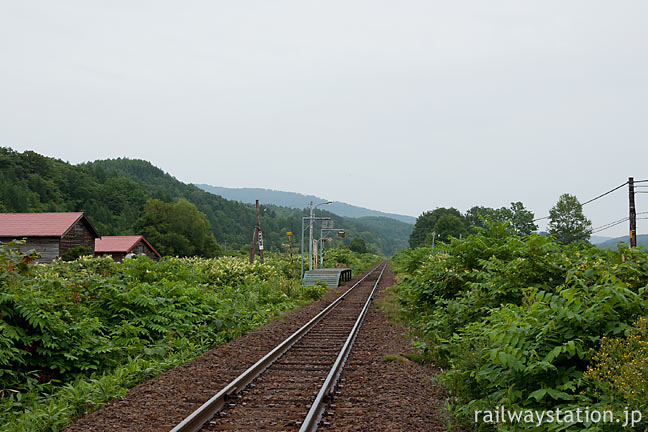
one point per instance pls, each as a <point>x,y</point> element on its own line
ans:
<point>289,387</point>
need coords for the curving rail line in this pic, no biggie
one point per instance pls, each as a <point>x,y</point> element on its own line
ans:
<point>196,420</point>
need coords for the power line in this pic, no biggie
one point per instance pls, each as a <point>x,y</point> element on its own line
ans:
<point>609,225</point>
<point>594,199</point>
<point>602,195</point>
<point>613,222</point>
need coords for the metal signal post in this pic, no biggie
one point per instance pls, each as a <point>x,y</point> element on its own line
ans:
<point>311,219</point>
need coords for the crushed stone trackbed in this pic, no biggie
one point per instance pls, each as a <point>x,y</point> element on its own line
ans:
<point>375,394</point>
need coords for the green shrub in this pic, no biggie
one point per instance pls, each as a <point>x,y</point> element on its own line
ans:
<point>315,291</point>
<point>514,319</point>
<point>345,257</point>
<point>75,252</point>
<point>617,376</point>
<point>69,321</point>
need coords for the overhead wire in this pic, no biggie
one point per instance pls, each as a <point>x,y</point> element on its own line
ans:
<point>620,221</point>
<point>602,195</point>
<point>616,222</point>
<point>593,199</point>
<point>609,225</point>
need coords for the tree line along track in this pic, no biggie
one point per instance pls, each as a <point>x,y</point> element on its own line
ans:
<point>289,387</point>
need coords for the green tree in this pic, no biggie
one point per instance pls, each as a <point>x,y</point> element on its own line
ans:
<point>522,219</point>
<point>567,221</point>
<point>177,229</point>
<point>477,215</point>
<point>448,226</point>
<point>426,222</point>
<point>358,245</point>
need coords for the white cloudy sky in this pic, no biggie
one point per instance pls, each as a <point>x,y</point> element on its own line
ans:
<point>400,106</point>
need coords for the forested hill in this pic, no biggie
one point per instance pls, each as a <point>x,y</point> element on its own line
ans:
<point>113,194</point>
<point>642,240</point>
<point>297,200</point>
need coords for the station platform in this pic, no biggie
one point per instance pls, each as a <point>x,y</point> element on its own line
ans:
<point>332,277</point>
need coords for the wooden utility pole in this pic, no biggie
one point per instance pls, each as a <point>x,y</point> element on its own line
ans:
<point>257,237</point>
<point>292,264</point>
<point>633,213</point>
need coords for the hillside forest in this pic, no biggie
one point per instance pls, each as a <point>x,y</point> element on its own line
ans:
<point>132,197</point>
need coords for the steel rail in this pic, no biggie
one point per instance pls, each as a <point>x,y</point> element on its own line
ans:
<point>314,415</point>
<point>195,421</point>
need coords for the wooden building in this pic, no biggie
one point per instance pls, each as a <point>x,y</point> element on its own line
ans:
<point>121,246</point>
<point>50,234</point>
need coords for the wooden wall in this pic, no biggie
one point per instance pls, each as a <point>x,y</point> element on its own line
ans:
<point>48,247</point>
<point>142,248</point>
<point>78,235</point>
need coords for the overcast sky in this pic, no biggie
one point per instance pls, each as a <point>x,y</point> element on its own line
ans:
<point>399,106</point>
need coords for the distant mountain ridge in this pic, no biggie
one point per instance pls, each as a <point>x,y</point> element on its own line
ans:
<point>599,239</point>
<point>113,194</point>
<point>298,201</point>
<point>642,239</point>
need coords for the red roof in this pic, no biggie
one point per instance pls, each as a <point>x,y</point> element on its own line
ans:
<point>39,224</point>
<point>123,244</point>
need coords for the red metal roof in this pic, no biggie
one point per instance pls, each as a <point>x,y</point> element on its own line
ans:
<point>38,224</point>
<point>123,244</point>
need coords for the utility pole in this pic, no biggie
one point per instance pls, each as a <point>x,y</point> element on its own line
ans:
<point>257,237</point>
<point>301,274</point>
<point>310,237</point>
<point>292,264</point>
<point>322,253</point>
<point>633,213</point>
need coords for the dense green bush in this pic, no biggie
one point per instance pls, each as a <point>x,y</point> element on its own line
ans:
<point>514,319</point>
<point>76,334</point>
<point>617,376</point>
<point>63,322</point>
<point>345,257</point>
<point>76,252</point>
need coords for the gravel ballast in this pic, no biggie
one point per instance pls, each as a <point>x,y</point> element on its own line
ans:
<point>375,394</point>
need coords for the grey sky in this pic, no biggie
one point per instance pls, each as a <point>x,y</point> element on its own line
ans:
<point>400,106</point>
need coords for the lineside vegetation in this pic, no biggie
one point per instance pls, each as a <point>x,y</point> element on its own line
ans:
<point>526,322</point>
<point>74,335</point>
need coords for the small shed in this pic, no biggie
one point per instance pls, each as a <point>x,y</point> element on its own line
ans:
<point>50,234</point>
<point>120,246</point>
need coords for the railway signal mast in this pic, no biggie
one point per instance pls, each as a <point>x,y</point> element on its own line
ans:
<point>257,237</point>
